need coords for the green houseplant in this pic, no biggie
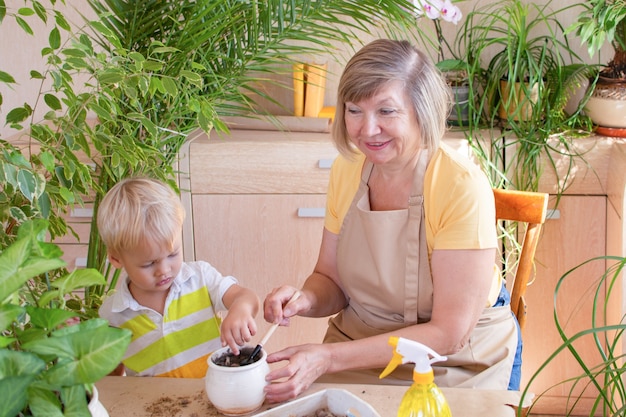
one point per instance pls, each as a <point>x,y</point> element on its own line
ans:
<point>601,22</point>
<point>149,75</point>
<point>521,71</point>
<point>599,388</point>
<point>47,367</point>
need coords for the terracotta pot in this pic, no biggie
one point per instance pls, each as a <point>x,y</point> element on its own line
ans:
<point>607,105</point>
<point>236,391</point>
<point>520,110</point>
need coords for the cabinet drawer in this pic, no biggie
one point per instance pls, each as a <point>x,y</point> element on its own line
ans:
<point>261,162</point>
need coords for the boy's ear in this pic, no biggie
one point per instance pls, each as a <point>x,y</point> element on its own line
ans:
<point>115,260</point>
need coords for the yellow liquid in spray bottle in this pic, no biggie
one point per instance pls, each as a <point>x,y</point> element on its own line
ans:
<point>423,398</point>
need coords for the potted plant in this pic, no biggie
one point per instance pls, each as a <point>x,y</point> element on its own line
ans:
<point>47,364</point>
<point>598,388</point>
<point>601,22</point>
<point>521,72</point>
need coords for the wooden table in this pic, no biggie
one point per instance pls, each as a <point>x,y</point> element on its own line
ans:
<point>179,397</point>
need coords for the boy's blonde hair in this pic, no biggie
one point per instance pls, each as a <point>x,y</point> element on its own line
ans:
<point>137,210</point>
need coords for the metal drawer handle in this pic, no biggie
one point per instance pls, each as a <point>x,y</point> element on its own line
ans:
<point>553,214</point>
<point>311,212</point>
<point>82,212</point>
<point>325,163</point>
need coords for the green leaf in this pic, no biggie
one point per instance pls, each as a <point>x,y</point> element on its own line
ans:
<point>41,11</point>
<point>170,86</point>
<point>17,115</point>
<point>111,76</point>
<point>17,371</point>
<point>152,66</point>
<point>17,265</point>
<point>36,75</point>
<point>18,363</point>
<point>59,18</point>
<point>44,402</point>
<point>27,184</point>
<point>48,318</point>
<point>22,23</point>
<point>45,205</point>
<point>79,278</point>
<point>13,391</point>
<point>91,353</point>
<point>8,314</point>
<point>5,77</point>
<point>3,10</point>
<point>74,401</point>
<point>52,101</point>
<point>47,159</point>
<point>25,11</point>
<point>192,77</point>
<point>55,38</point>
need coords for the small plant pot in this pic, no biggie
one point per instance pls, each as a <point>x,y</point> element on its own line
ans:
<point>607,104</point>
<point>236,390</point>
<point>95,406</point>
<point>522,109</point>
<point>459,114</point>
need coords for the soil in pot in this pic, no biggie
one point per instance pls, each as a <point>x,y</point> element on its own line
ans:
<point>228,359</point>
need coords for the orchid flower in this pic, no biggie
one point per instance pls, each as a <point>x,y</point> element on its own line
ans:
<point>436,10</point>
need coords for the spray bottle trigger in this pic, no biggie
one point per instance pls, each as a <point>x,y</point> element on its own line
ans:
<point>393,364</point>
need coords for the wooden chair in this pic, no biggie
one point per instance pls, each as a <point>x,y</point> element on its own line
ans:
<point>530,208</point>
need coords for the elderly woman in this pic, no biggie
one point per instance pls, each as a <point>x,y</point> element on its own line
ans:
<point>409,240</point>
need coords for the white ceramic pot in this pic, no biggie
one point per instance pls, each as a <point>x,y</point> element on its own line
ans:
<point>236,391</point>
<point>607,104</point>
<point>95,406</point>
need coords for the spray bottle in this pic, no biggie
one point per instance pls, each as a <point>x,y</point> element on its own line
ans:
<point>423,398</point>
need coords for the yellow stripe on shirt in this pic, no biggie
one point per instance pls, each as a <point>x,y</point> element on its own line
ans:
<point>172,344</point>
<point>188,304</point>
<point>139,325</point>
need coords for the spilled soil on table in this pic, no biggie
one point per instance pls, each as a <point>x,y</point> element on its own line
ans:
<point>175,405</point>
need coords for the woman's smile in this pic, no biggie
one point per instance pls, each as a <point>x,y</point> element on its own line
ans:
<point>377,145</point>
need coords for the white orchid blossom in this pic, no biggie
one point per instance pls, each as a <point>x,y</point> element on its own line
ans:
<point>450,13</point>
<point>435,9</point>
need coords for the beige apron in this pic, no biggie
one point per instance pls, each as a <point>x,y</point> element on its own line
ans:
<point>383,264</point>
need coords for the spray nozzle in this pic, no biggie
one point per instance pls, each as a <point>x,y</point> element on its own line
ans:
<point>410,351</point>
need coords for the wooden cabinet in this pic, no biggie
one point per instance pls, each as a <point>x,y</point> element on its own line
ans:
<point>566,241</point>
<point>587,222</point>
<point>255,202</point>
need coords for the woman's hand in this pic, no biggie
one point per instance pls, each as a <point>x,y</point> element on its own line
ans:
<point>283,303</point>
<point>306,364</point>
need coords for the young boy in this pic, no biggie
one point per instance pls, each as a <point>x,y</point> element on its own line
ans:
<point>169,305</point>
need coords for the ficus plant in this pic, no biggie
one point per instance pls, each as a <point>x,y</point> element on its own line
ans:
<point>128,87</point>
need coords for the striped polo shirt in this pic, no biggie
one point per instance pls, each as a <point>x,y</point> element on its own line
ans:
<point>177,343</point>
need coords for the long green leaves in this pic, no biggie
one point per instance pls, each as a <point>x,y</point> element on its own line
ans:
<point>605,375</point>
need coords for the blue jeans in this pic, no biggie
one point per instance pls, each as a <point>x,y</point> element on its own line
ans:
<point>504,299</point>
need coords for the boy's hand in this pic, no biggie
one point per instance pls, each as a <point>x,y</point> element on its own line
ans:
<point>239,325</point>
<point>237,329</point>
